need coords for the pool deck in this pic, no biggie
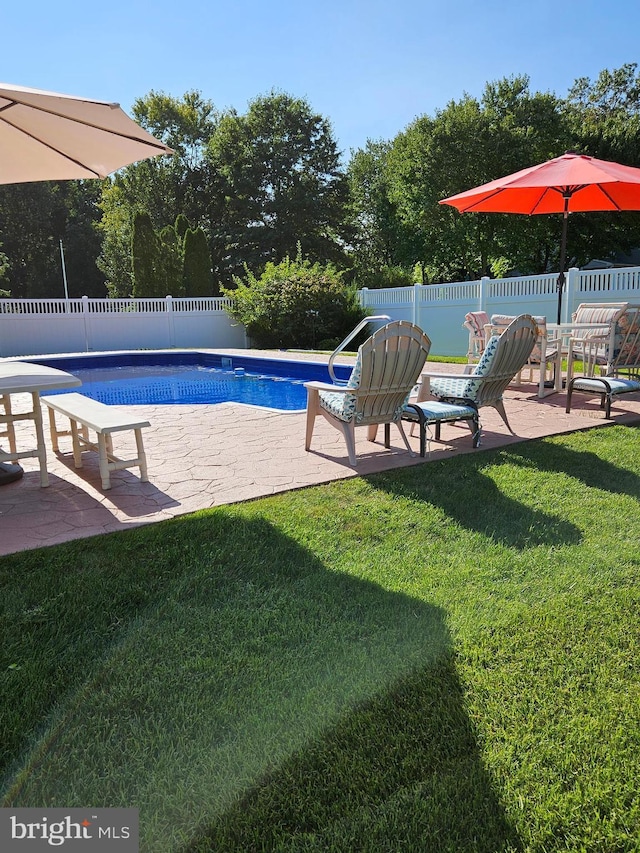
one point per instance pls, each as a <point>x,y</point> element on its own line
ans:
<point>201,456</point>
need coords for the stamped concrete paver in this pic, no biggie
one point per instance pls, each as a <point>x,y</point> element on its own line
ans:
<point>205,456</point>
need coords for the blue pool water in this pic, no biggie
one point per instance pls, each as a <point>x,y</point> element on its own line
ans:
<point>192,377</point>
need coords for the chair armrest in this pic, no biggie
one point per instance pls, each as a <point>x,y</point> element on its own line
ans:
<point>447,375</point>
<point>327,386</point>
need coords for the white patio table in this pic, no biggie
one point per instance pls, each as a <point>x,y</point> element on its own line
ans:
<point>561,335</point>
<point>22,377</point>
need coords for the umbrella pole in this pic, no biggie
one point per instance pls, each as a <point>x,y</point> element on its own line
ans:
<point>64,272</point>
<point>563,254</point>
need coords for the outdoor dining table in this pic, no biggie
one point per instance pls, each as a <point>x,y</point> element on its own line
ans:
<point>22,377</point>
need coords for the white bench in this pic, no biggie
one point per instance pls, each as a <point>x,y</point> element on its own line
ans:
<point>103,420</point>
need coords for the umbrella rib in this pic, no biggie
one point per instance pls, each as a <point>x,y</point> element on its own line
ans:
<point>150,142</point>
<point>613,202</point>
<point>67,157</point>
<point>484,199</point>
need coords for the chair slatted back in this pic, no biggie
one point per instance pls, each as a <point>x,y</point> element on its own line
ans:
<point>503,358</point>
<point>388,366</point>
<point>622,352</point>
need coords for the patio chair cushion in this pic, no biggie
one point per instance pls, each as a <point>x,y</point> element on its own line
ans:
<point>613,384</point>
<point>339,403</point>
<point>436,410</point>
<point>465,387</point>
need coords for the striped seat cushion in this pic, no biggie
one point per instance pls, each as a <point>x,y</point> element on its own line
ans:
<point>465,387</point>
<point>599,386</point>
<point>434,410</point>
<point>477,320</point>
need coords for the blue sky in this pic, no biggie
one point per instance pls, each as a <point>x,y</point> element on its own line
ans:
<point>369,67</point>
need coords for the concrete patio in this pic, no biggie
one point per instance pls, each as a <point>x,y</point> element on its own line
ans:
<point>202,456</point>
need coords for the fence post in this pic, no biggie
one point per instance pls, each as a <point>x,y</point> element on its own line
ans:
<point>484,287</point>
<point>170,328</point>
<point>416,302</point>
<point>568,305</point>
<point>85,320</point>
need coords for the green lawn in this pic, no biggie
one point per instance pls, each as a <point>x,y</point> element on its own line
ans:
<point>439,658</point>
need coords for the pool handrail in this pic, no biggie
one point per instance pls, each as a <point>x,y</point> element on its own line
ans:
<point>350,337</point>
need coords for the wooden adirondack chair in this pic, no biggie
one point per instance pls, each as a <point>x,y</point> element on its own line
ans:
<point>387,367</point>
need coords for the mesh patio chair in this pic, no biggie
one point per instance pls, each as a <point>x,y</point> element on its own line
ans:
<point>544,353</point>
<point>616,352</point>
<point>387,368</point>
<point>475,323</point>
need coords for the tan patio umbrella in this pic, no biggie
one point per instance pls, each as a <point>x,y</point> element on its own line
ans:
<point>45,136</point>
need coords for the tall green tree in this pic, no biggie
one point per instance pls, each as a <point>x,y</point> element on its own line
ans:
<point>466,144</point>
<point>165,187</point>
<point>604,114</point>
<point>283,184</point>
<point>196,270</point>
<point>381,244</point>
<point>145,251</point>
<point>34,217</point>
<point>604,119</point>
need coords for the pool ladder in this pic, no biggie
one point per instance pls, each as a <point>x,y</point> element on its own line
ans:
<point>378,318</point>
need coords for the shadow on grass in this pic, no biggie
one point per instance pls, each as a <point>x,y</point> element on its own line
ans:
<point>401,772</point>
<point>586,466</point>
<point>470,497</point>
<point>248,698</point>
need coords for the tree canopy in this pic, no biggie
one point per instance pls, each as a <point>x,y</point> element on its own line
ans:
<point>253,186</point>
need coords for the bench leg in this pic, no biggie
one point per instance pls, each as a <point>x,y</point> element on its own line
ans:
<point>141,456</point>
<point>104,461</point>
<point>53,430</point>
<point>77,450</point>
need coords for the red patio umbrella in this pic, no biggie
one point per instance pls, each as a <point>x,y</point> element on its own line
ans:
<point>566,184</point>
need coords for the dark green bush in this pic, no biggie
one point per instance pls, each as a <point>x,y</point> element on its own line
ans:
<point>295,304</point>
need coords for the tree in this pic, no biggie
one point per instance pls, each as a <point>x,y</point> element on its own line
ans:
<point>381,245</point>
<point>282,183</point>
<point>145,250</point>
<point>469,143</point>
<point>165,187</point>
<point>604,118</point>
<point>197,276</point>
<point>34,217</point>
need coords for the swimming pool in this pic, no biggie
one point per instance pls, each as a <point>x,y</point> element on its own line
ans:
<point>192,377</point>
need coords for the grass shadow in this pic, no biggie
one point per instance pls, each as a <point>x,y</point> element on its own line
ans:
<point>586,465</point>
<point>467,494</point>
<point>401,772</point>
<point>214,674</point>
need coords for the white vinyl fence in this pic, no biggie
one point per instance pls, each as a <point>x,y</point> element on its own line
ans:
<point>41,326</point>
<point>439,309</point>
